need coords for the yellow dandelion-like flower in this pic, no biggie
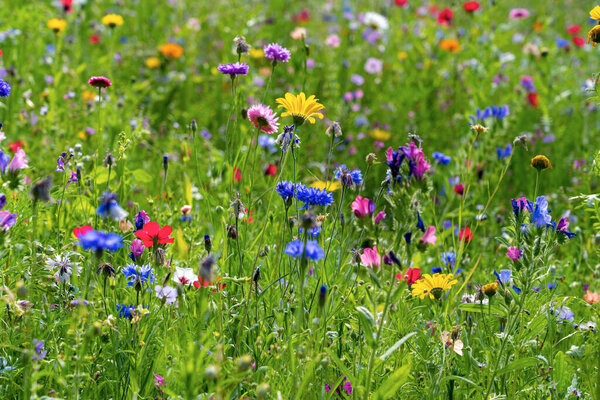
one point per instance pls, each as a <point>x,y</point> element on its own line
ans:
<point>171,50</point>
<point>112,20</point>
<point>256,53</point>
<point>540,162</point>
<point>433,286</point>
<point>490,289</point>
<point>595,13</point>
<point>57,25</point>
<point>329,186</point>
<point>152,62</point>
<point>301,108</point>
<point>380,134</point>
<point>593,36</point>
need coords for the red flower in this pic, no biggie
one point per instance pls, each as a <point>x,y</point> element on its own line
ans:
<point>411,276</point>
<point>445,17</point>
<point>250,219</point>
<point>202,283</point>
<point>532,98</point>
<point>471,6</point>
<point>400,3</point>
<point>82,230</point>
<point>14,146</point>
<point>578,41</point>
<point>573,29</point>
<point>466,234</point>
<point>302,16</point>
<point>459,189</point>
<point>1,53</point>
<point>237,175</point>
<point>94,39</point>
<point>67,5</point>
<point>152,234</point>
<point>271,170</point>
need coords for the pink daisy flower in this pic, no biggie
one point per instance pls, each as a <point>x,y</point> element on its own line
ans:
<point>99,82</point>
<point>263,117</point>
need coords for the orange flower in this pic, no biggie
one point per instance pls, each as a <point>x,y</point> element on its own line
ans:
<point>450,45</point>
<point>591,297</point>
<point>171,50</point>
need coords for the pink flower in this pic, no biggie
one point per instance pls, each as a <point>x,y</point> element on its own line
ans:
<point>18,162</point>
<point>159,380</point>
<point>514,253</point>
<point>333,40</point>
<point>429,236</point>
<point>380,215</point>
<point>99,82</point>
<point>370,258</point>
<point>362,207</point>
<point>137,248</point>
<point>263,118</point>
<point>518,13</point>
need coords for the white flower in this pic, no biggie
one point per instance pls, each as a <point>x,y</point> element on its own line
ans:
<point>376,20</point>
<point>185,276</point>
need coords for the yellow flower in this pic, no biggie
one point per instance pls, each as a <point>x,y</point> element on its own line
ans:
<point>433,286</point>
<point>450,45</point>
<point>300,108</point>
<point>593,36</point>
<point>152,62</point>
<point>402,55</point>
<point>330,186</point>
<point>112,20</point>
<point>540,162</point>
<point>57,25</point>
<point>595,13</point>
<point>538,26</point>
<point>256,53</point>
<point>172,50</point>
<point>380,134</point>
<point>490,289</point>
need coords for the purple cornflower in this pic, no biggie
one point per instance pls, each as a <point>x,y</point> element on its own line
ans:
<point>40,353</point>
<point>527,83</point>
<point>233,70</point>
<point>4,161</point>
<point>7,219</point>
<point>276,53</point>
<point>373,66</point>
<point>4,88</point>
<point>347,177</point>
<point>141,219</point>
<point>137,249</point>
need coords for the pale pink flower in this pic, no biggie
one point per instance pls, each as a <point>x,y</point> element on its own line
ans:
<point>370,258</point>
<point>18,162</point>
<point>429,235</point>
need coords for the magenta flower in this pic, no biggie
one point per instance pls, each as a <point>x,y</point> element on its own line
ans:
<point>373,66</point>
<point>277,53</point>
<point>99,82</point>
<point>233,70</point>
<point>18,162</point>
<point>380,215</point>
<point>514,253</point>
<point>263,117</point>
<point>363,207</point>
<point>159,380</point>
<point>518,13</point>
<point>429,236</point>
<point>370,258</point>
<point>137,249</point>
<point>563,224</point>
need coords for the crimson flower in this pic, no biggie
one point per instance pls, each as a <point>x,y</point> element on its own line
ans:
<point>82,230</point>
<point>573,29</point>
<point>271,170</point>
<point>532,98</point>
<point>466,234</point>
<point>152,234</point>
<point>445,17</point>
<point>411,276</point>
<point>471,6</point>
<point>578,41</point>
<point>459,189</point>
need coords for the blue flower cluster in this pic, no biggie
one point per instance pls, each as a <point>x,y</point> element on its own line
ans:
<point>144,275</point>
<point>100,240</point>
<point>497,112</point>
<point>312,252</point>
<point>503,153</point>
<point>285,189</point>
<point>348,178</point>
<point>441,158</point>
<point>311,196</point>
<point>4,88</point>
<point>125,311</point>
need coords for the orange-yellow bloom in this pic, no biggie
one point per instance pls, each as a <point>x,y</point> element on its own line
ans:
<point>300,108</point>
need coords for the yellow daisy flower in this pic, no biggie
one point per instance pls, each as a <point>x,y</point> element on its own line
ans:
<point>112,20</point>
<point>300,108</point>
<point>380,135</point>
<point>433,286</point>
<point>152,62</point>
<point>57,25</point>
<point>593,36</point>
<point>595,13</point>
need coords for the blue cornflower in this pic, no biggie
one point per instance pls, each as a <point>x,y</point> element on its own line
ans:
<point>541,214</point>
<point>449,258</point>
<point>4,88</point>
<point>125,311</point>
<point>267,142</point>
<point>4,161</point>
<point>109,207</point>
<point>39,349</point>
<point>441,158</point>
<point>436,270</point>
<point>285,189</point>
<point>551,286</point>
<point>504,275</point>
<point>347,177</point>
<point>287,138</point>
<point>497,112</point>
<point>145,274</point>
<point>313,233</point>
<point>312,196</point>
<point>560,42</point>
<point>564,314</point>
<point>503,153</point>
<point>420,224</point>
<point>100,240</point>
<point>313,250</point>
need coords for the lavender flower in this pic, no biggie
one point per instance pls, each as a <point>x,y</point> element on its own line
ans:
<point>277,53</point>
<point>233,70</point>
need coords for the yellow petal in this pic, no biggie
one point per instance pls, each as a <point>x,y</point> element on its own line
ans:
<point>595,13</point>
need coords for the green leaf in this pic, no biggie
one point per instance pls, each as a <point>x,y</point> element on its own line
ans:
<point>396,346</point>
<point>485,308</point>
<point>390,386</point>
<point>367,322</point>
<point>142,176</point>
<point>521,363</point>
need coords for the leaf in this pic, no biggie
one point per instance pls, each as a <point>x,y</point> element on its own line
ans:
<point>141,176</point>
<point>485,308</point>
<point>390,386</point>
<point>367,322</point>
<point>181,244</point>
<point>521,363</point>
<point>396,346</point>
<point>188,190</point>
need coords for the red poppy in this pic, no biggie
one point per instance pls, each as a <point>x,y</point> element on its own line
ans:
<point>573,29</point>
<point>471,6</point>
<point>411,276</point>
<point>445,17</point>
<point>578,41</point>
<point>466,235</point>
<point>400,3</point>
<point>94,39</point>
<point>152,234</point>
<point>81,230</point>
<point>14,146</point>
<point>459,189</point>
<point>237,175</point>
<point>1,53</point>
<point>271,170</point>
<point>67,5</point>
<point>302,16</point>
<point>532,98</point>
<point>202,283</point>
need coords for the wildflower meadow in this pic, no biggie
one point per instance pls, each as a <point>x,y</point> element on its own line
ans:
<point>334,199</point>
